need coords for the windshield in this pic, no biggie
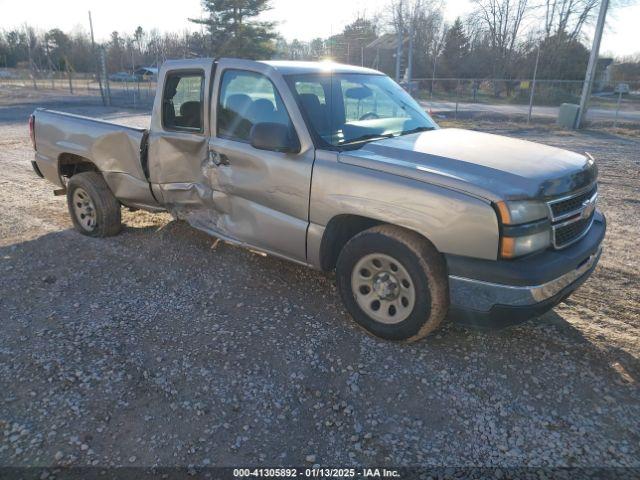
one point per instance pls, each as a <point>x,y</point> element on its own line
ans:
<point>345,109</point>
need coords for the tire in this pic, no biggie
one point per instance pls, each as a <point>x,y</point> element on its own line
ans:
<point>410,286</point>
<point>93,208</point>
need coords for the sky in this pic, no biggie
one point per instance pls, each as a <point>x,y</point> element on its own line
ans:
<point>302,19</point>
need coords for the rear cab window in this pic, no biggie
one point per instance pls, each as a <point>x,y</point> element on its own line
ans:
<point>247,98</point>
<point>183,101</point>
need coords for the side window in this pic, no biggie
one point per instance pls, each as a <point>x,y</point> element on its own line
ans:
<point>247,98</point>
<point>314,103</point>
<point>182,102</point>
<point>311,88</point>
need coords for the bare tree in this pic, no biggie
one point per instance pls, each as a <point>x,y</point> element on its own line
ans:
<point>501,21</point>
<point>418,23</point>
<point>567,17</point>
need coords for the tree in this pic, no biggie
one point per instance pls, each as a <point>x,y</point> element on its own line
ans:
<point>501,20</point>
<point>455,52</point>
<point>567,17</point>
<point>81,53</point>
<point>317,48</point>
<point>561,57</point>
<point>116,53</point>
<point>418,22</point>
<point>14,47</point>
<point>356,36</point>
<point>627,69</point>
<point>57,45</point>
<point>138,36</point>
<point>233,31</point>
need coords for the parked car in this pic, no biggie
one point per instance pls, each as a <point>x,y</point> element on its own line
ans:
<point>337,168</point>
<point>122,77</point>
<point>622,88</point>
<point>146,74</point>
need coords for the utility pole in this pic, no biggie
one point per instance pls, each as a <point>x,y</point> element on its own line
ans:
<point>409,72</point>
<point>433,75</point>
<point>133,72</point>
<point>400,29</point>
<point>31,69</point>
<point>533,84</point>
<point>103,64</point>
<point>592,66</point>
<point>93,48</point>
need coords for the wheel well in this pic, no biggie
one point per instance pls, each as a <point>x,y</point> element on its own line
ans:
<point>338,232</point>
<point>69,164</point>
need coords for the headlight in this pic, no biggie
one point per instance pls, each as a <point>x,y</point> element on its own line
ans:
<point>514,213</point>
<point>525,227</point>
<point>511,247</point>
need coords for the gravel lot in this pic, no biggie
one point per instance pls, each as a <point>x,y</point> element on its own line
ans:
<point>161,347</point>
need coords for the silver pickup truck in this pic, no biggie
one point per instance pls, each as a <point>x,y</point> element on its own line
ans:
<point>337,167</point>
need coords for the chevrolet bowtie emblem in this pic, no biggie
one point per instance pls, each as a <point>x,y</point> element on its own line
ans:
<point>589,206</point>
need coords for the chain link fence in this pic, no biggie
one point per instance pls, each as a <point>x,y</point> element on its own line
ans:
<point>611,103</point>
<point>120,89</point>
<point>521,100</point>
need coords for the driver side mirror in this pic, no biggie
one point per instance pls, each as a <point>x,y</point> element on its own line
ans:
<point>275,137</point>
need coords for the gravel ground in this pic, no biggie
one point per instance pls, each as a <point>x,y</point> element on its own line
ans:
<point>161,347</point>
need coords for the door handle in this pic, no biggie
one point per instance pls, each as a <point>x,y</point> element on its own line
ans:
<point>218,159</point>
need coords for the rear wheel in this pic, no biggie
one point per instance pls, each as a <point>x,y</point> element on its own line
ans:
<point>93,208</point>
<point>393,283</point>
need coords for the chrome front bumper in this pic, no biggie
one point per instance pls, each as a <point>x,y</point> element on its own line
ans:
<point>482,297</point>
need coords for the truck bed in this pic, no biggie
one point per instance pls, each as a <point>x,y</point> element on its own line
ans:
<point>116,150</point>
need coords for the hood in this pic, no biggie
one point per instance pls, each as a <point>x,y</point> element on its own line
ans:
<point>490,166</point>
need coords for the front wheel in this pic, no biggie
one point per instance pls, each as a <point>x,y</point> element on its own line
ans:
<point>393,282</point>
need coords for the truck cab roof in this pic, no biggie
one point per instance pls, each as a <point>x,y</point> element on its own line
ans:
<point>284,67</point>
<point>287,67</point>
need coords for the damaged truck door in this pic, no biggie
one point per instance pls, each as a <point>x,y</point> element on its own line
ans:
<point>210,172</point>
<point>260,188</point>
<point>178,141</point>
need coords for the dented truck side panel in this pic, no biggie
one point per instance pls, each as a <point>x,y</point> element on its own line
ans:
<point>262,197</point>
<point>176,157</point>
<point>113,149</point>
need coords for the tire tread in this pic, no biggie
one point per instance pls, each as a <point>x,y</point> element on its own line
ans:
<point>430,261</point>
<point>109,221</point>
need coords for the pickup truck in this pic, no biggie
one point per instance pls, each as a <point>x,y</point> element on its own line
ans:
<point>336,167</point>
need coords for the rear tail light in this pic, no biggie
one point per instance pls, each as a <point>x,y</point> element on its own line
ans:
<point>32,130</point>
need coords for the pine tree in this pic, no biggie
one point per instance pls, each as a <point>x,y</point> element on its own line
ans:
<point>456,51</point>
<point>233,30</point>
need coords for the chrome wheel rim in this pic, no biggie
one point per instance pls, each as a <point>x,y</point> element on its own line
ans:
<point>84,209</point>
<point>383,288</point>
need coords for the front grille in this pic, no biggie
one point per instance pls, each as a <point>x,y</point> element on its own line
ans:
<point>566,234</point>
<point>566,206</point>
<point>572,216</point>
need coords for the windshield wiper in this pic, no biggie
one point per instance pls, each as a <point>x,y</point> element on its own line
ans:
<point>415,130</point>
<point>368,136</point>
